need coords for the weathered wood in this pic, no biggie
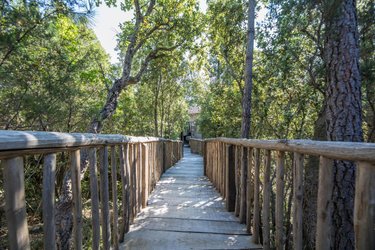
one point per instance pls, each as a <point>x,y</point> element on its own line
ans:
<point>244,162</point>
<point>279,239</point>
<point>75,168</point>
<point>48,194</point>
<point>13,140</point>
<point>364,206</point>
<point>124,171</point>
<point>114,198</point>
<point>297,200</point>
<point>238,178</point>
<point>266,200</point>
<point>94,199</point>
<point>256,221</point>
<point>145,174</point>
<point>249,189</point>
<point>15,204</point>
<point>352,151</point>
<point>230,178</point>
<point>104,198</point>
<point>324,206</point>
<point>180,218</point>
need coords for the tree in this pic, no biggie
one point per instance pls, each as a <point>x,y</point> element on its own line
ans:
<point>158,28</point>
<point>246,99</point>
<point>344,109</point>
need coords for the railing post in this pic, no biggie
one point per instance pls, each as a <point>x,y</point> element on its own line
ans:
<point>237,179</point>
<point>243,185</point>
<point>49,173</point>
<point>256,220</point>
<point>298,201</point>
<point>230,176</point>
<point>249,189</point>
<point>125,184</point>
<point>114,197</point>
<point>75,162</point>
<point>94,199</point>
<point>104,197</point>
<point>279,239</point>
<point>266,200</point>
<point>145,174</point>
<point>324,206</point>
<point>15,204</point>
<point>364,206</point>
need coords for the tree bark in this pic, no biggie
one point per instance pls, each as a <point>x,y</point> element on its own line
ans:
<point>246,98</point>
<point>344,109</point>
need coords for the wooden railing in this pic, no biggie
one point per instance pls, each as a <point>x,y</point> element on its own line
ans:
<point>139,162</point>
<point>196,146</point>
<point>234,166</point>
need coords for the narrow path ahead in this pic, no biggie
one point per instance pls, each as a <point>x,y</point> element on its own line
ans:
<point>186,212</point>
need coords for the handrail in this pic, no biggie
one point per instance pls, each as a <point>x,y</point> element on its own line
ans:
<point>233,163</point>
<point>139,161</point>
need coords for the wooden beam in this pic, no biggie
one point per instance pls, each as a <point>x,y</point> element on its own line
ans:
<point>75,168</point>
<point>48,194</point>
<point>104,198</point>
<point>15,204</point>
<point>266,200</point>
<point>256,220</point>
<point>364,206</point>
<point>94,199</point>
<point>279,239</point>
<point>230,179</point>
<point>114,198</point>
<point>324,206</point>
<point>298,201</point>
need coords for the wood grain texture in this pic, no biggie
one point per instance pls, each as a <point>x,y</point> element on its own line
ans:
<point>324,206</point>
<point>75,168</point>
<point>279,239</point>
<point>115,238</point>
<point>187,212</point>
<point>256,221</point>
<point>48,196</point>
<point>364,206</point>
<point>15,204</point>
<point>354,151</point>
<point>94,199</point>
<point>266,200</point>
<point>104,198</point>
<point>297,200</point>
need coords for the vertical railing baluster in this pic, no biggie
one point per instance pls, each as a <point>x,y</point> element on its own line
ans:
<point>15,204</point>
<point>230,178</point>
<point>256,220</point>
<point>266,200</point>
<point>145,174</point>
<point>238,177</point>
<point>94,199</point>
<point>75,167</point>
<point>324,206</point>
<point>364,206</point>
<point>48,196</point>
<point>104,197</point>
<point>125,184</point>
<point>298,200</point>
<point>243,184</point>
<point>114,197</point>
<point>249,189</point>
<point>279,240</point>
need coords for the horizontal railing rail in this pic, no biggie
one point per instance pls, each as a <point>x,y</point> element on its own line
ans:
<point>139,161</point>
<point>234,167</point>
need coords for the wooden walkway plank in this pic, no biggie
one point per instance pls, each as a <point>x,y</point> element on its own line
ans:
<point>186,212</point>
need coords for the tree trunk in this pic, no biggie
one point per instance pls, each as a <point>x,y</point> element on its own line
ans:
<point>156,104</point>
<point>343,116</point>
<point>246,98</point>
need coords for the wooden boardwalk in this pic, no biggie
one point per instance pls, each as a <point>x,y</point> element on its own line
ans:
<point>186,212</point>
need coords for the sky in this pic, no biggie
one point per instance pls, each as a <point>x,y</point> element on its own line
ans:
<point>106,25</point>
